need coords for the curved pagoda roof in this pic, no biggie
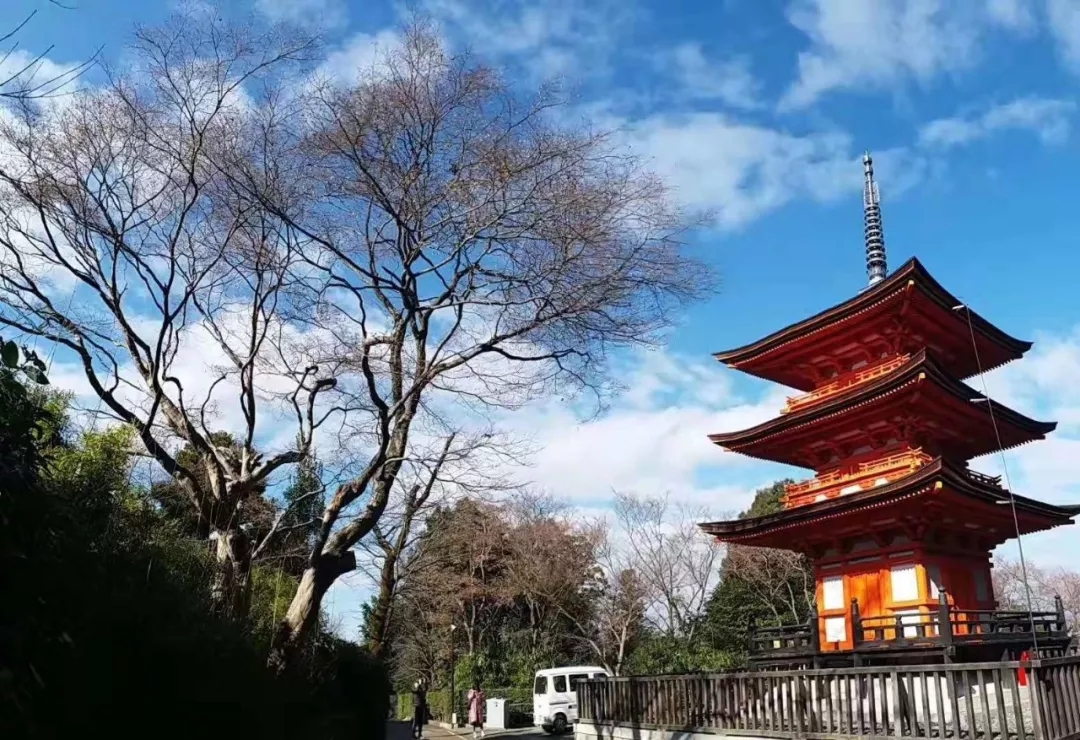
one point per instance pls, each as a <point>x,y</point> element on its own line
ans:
<point>784,356</point>
<point>941,495</point>
<point>952,417</point>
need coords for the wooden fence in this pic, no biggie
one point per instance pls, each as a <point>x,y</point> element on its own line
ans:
<point>975,701</point>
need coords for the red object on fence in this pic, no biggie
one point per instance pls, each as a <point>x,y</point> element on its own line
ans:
<point>1021,672</point>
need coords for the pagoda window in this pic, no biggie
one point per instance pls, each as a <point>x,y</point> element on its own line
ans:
<point>835,629</point>
<point>833,593</point>
<point>905,587</point>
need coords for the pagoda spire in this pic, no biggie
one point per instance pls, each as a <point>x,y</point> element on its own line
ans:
<point>875,239</point>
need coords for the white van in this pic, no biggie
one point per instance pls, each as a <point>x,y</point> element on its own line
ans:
<point>555,698</point>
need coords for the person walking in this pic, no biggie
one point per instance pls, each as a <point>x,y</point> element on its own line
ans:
<point>477,708</point>
<point>419,697</point>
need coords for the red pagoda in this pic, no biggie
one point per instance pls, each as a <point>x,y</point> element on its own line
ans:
<point>898,526</point>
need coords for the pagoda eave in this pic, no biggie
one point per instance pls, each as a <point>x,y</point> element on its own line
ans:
<point>918,388</point>
<point>775,356</point>
<point>940,494</point>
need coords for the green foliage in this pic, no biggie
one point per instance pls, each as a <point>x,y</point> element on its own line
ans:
<point>105,616</point>
<point>23,420</point>
<point>303,501</point>
<point>736,603</point>
<point>662,654</point>
<point>271,591</point>
<point>767,500</point>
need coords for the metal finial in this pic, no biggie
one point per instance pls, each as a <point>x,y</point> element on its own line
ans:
<point>875,239</point>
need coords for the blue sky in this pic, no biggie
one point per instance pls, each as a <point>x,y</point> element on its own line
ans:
<point>759,111</point>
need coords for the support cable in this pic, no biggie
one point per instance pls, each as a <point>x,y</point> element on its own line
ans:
<point>1008,481</point>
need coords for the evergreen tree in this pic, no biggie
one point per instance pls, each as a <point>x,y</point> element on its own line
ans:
<point>303,500</point>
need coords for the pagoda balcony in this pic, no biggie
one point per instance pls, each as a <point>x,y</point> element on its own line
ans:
<point>843,383</point>
<point>859,477</point>
<point>978,630</point>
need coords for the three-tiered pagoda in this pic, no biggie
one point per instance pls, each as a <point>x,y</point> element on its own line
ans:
<point>898,526</point>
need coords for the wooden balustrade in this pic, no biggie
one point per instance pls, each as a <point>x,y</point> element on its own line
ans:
<point>891,466</point>
<point>974,701</point>
<point>970,625</point>
<point>890,631</point>
<point>842,383</point>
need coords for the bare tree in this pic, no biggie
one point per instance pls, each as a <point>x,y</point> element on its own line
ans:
<point>620,600</point>
<point>465,250</point>
<point>1043,585</point>
<point>552,561</point>
<point>28,77</point>
<point>601,599</point>
<point>780,582</point>
<point>121,246</point>
<point>451,467</point>
<point>675,560</point>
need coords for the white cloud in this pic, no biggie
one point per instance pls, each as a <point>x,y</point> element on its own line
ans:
<point>654,438</point>
<point>1019,15</point>
<point>323,14</point>
<point>21,70</point>
<point>358,55</point>
<point>729,81</point>
<point>1042,385</point>
<point>879,44</point>
<point>559,37</point>
<point>1048,118</point>
<point>741,171</point>
<point>1063,17</point>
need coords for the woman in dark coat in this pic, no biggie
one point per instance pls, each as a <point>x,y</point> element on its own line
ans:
<point>419,697</point>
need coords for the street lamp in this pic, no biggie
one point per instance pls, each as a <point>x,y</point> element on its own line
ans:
<point>453,697</point>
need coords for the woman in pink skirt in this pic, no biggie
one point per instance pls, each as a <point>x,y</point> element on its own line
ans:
<point>477,707</point>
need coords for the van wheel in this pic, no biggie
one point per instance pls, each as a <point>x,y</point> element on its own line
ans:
<point>558,727</point>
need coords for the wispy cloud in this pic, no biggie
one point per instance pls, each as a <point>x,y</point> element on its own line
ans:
<point>320,14</point>
<point>1050,119</point>
<point>557,38</point>
<point>877,45</point>
<point>729,81</point>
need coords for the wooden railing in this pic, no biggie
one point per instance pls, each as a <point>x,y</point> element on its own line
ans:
<point>889,467</point>
<point>793,639</point>
<point>842,383</point>
<point>964,625</point>
<point>894,631</point>
<point>975,701</point>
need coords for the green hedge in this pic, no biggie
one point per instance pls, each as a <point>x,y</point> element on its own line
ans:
<point>519,700</point>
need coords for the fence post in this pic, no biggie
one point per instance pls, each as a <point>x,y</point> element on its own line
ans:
<point>815,630</point>
<point>1059,607</point>
<point>856,626</point>
<point>945,629</point>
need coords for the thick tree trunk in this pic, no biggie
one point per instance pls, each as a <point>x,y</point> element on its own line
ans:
<point>304,609</point>
<point>231,588</point>
<point>379,622</point>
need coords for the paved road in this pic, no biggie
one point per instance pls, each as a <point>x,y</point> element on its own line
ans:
<point>401,731</point>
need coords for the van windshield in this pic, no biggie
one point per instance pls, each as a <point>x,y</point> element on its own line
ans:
<point>541,685</point>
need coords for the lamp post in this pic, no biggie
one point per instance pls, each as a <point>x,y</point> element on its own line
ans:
<point>453,696</point>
